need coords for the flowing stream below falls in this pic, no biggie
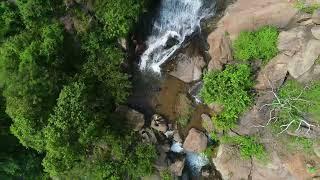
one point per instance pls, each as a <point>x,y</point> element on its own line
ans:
<point>173,25</point>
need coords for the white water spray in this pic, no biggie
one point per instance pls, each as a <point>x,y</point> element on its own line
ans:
<point>177,20</point>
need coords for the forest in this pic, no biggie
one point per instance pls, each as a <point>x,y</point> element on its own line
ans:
<point>61,78</point>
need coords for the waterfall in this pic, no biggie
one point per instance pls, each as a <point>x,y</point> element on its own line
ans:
<point>177,19</point>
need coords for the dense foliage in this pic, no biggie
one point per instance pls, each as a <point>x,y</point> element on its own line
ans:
<point>249,146</point>
<point>15,161</point>
<point>60,70</point>
<point>229,88</point>
<point>260,44</point>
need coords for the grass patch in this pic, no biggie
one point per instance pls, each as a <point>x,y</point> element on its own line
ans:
<point>249,146</point>
<point>229,88</point>
<point>166,175</point>
<point>304,7</point>
<point>260,44</point>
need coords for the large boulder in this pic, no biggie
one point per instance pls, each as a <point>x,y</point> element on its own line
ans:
<point>135,119</point>
<point>303,61</point>
<point>232,167</point>
<point>251,15</point>
<point>292,41</point>
<point>220,50</point>
<point>274,73</point>
<point>188,69</point>
<point>196,141</point>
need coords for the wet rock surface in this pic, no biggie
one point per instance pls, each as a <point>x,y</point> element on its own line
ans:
<point>196,141</point>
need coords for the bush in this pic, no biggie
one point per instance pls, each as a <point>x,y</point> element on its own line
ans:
<point>249,146</point>
<point>297,105</point>
<point>260,44</point>
<point>229,88</point>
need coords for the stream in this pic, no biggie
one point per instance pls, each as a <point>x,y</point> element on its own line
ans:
<point>175,25</point>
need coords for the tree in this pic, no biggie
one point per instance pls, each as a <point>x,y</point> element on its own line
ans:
<point>30,71</point>
<point>16,162</point>
<point>9,20</point>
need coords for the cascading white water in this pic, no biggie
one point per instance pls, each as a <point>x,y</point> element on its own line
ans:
<point>177,19</point>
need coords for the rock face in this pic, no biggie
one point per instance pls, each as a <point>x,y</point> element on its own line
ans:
<point>250,15</point>
<point>232,167</point>
<point>316,17</point>
<point>220,50</point>
<point>188,69</point>
<point>135,119</point>
<point>303,61</point>
<point>196,141</point>
<point>158,123</point>
<point>316,149</point>
<point>274,73</point>
<point>316,32</point>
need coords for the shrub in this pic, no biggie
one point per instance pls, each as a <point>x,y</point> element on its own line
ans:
<point>260,44</point>
<point>297,106</point>
<point>307,8</point>
<point>229,88</point>
<point>249,146</point>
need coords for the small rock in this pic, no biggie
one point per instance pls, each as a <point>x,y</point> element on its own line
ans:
<point>316,16</point>
<point>176,137</point>
<point>196,141</point>
<point>148,136</point>
<point>304,17</point>
<point>316,31</point>
<point>307,22</point>
<point>135,119</point>
<point>123,43</point>
<point>302,62</point>
<point>177,167</point>
<point>205,173</point>
<point>216,108</point>
<point>207,123</point>
<point>158,123</point>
